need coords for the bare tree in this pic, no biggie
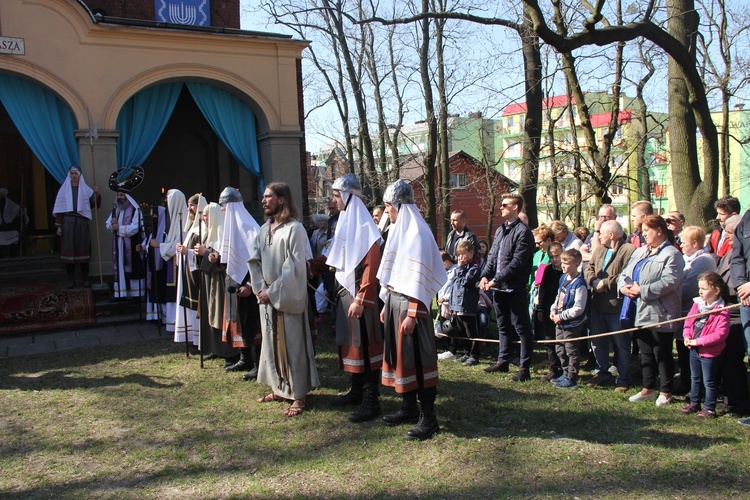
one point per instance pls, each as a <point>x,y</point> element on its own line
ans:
<point>725,30</point>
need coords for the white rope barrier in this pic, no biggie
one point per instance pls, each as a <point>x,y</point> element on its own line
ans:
<point>601,335</point>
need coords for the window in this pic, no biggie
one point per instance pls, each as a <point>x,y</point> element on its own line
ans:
<point>510,121</point>
<point>459,181</point>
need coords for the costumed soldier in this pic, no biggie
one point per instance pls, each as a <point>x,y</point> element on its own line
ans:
<point>186,317</point>
<point>355,254</point>
<point>126,222</point>
<point>241,324</point>
<point>411,273</point>
<point>72,213</point>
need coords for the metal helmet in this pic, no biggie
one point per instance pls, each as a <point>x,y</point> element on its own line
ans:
<point>399,192</point>
<point>348,183</point>
<point>230,195</point>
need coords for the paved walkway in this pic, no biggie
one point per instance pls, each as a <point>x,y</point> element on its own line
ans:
<point>46,343</point>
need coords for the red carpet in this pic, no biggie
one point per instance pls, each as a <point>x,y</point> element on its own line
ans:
<point>42,306</point>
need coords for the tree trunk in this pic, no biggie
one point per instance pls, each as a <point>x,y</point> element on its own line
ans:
<point>532,130</point>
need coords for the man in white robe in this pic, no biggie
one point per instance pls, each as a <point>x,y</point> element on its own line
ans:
<point>278,271</point>
<point>125,223</point>
<point>186,314</point>
<point>12,218</point>
<point>177,212</point>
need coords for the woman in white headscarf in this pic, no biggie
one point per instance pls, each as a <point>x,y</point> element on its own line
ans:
<point>72,213</point>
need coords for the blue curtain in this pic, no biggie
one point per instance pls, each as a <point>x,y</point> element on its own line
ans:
<point>233,121</point>
<point>45,122</point>
<point>142,120</point>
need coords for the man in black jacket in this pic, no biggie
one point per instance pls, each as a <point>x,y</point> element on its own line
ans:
<point>459,233</point>
<point>506,274</point>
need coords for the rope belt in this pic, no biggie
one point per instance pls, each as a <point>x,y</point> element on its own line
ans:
<point>601,335</point>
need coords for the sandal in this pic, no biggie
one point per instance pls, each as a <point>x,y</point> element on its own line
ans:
<point>270,397</point>
<point>297,407</point>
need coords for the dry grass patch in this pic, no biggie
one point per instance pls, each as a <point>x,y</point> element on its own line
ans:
<point>141,420</point>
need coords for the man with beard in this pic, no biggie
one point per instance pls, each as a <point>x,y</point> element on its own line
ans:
<point>241,324</point>
<point>355,254</point>
<point>186,317</point>
<point>72,213</point>
<point>278,268</point>
<point>125,222</point>
<point>411,272</point>
<point>176,213</point>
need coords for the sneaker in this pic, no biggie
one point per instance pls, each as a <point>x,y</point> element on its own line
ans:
<point>562,379</point>
<point>497,367</point>
<point>566,384</point>
<point>471,361</point>
<point>744,421</point>
<point>663,401</point>
<point>557,380</point>
<point>691,408</point>
<point>600,380</point>
<point>651,396</point>
<point>446,355</point>
<point>462,359</point>
<point>613,370</point>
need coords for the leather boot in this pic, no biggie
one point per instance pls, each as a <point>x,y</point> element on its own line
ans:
<point>407,414</point>
<point>245,362</point>
<point>355,394</point>
<point>428,422</point>
<point>71,270</point>
<point>370,407</point>
<point>85,275</point>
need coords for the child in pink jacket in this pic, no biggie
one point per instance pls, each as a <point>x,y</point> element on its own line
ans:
<point>706,337</point>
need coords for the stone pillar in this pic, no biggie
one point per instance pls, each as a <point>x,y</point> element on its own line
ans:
<point>97,163</point>
<point>280,161</point>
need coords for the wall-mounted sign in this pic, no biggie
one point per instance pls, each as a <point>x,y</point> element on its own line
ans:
<point>194,12</point>
<point>10,45</point>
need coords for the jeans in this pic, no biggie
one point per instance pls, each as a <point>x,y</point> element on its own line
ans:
<point>512,310</point>
<point>706,369</point>
<point>656,355</point>
<point>602,323</point>
<point>745,317</point>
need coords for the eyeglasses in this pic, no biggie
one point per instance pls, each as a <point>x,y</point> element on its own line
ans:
<point>538,243</point>
<point>604,217</point>
<point>670,221</point>
<point>505,205</point>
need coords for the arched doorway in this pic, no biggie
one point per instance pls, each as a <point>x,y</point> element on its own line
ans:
<point>29,183</point>
<point>189,155</point>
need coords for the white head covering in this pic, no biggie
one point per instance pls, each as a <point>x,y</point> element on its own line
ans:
<point>11,209</point>
<point>411,262</point>
<point>356,233</point>
<point>215,231</point>
<point>240,231</point>
<point>191,227</point>
<point>64,200</point>
<point>132,201</point>
<point>176,205</point>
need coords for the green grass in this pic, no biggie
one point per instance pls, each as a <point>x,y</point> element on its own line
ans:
<point>140,420</point>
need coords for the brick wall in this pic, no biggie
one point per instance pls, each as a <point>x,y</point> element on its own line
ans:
<point>224,13</point>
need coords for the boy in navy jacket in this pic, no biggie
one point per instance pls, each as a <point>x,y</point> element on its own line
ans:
<point>569,315</point>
